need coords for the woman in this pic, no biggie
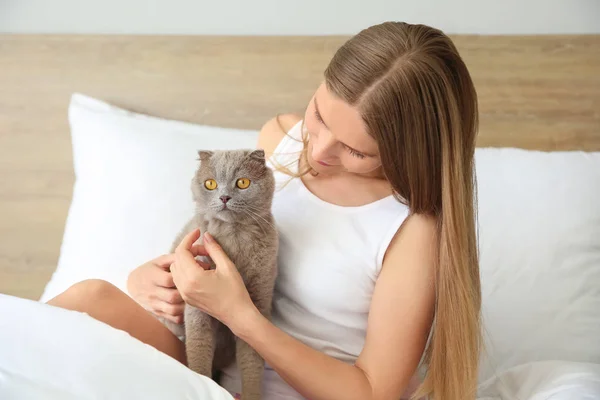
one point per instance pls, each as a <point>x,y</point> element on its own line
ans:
<point>380,272</point>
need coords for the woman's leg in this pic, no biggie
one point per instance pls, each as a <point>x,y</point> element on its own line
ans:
<point>106,303</point>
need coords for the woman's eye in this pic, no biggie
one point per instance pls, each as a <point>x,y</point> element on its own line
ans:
<point>355,153</point>
<point>243,183</point>
<point>210,184</point>
<point>318,116</point>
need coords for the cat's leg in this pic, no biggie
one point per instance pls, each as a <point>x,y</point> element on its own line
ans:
<point>250,363</point>
<point>199,340</point>
<point>225,348</point>
<point>251,366</point>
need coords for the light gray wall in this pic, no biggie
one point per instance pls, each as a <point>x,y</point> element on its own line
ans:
<point>293,17</point>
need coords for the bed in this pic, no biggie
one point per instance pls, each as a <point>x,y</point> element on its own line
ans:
<point>536,93</point>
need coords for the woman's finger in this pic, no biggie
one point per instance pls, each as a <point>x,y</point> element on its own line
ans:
<point>168,295</point>
<point>204,265</point>
<point>163,279</point>
<point>198,250</point>
<point>188,241</point>
<point>164,261</point>
<point>177,319</point>
<point>215,251</point>
<point>169,309</point>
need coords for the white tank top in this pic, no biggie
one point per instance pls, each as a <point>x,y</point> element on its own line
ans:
<point>329,259</point>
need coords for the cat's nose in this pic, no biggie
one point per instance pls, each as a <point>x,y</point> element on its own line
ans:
<point>225,199</point>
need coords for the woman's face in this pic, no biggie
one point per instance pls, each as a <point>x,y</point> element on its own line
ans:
<point>337,137</point>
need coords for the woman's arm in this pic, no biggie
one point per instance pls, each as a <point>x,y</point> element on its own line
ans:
<point>399,320</point>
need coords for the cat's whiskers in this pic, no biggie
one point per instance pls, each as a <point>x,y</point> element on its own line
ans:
<point>201,210</point>
<point>214,208</point>
<point>257,221</point>
<point>259,212</point>
<point>249,210</point>
<point>252,207</point>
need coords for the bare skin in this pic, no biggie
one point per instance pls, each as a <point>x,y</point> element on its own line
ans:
<point>402,307</point>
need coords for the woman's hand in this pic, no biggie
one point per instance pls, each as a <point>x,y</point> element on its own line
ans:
<point>219,292</point>
<point>151,285</point>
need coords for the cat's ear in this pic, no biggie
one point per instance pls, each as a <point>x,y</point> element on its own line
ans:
<point>204,154</point>
<point>258,155</point>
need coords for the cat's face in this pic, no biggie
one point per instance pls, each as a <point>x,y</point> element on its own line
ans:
<point>233,184</point>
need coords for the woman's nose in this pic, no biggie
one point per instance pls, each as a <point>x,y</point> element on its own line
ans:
<point>323,147</point>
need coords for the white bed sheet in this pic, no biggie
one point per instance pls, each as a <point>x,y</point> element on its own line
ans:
<point>544,380</point>
<point>50,353</point>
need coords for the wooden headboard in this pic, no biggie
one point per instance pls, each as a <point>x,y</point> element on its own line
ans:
<point>535,92</point>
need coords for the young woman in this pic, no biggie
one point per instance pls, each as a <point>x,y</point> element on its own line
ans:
<point>378,260</point>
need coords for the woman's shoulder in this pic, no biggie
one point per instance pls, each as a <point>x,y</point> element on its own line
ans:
<point>274,130</point>
<point>417,239</point>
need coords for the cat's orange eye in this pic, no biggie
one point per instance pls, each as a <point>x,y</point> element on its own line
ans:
<point>243,183</point>
<point>210,184</point>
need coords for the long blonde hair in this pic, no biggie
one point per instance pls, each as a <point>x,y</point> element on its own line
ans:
<point>418,101</point>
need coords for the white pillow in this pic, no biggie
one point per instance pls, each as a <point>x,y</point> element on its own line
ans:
<point>539,225</point>
<point>132,189</point>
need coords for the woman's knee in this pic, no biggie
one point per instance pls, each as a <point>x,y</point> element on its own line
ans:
<point>85,292</point>
<point>94,288</point>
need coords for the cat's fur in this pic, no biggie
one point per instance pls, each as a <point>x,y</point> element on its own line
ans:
<point>246,232</point>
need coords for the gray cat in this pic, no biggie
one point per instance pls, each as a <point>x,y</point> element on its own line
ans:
<point>233,191</point>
